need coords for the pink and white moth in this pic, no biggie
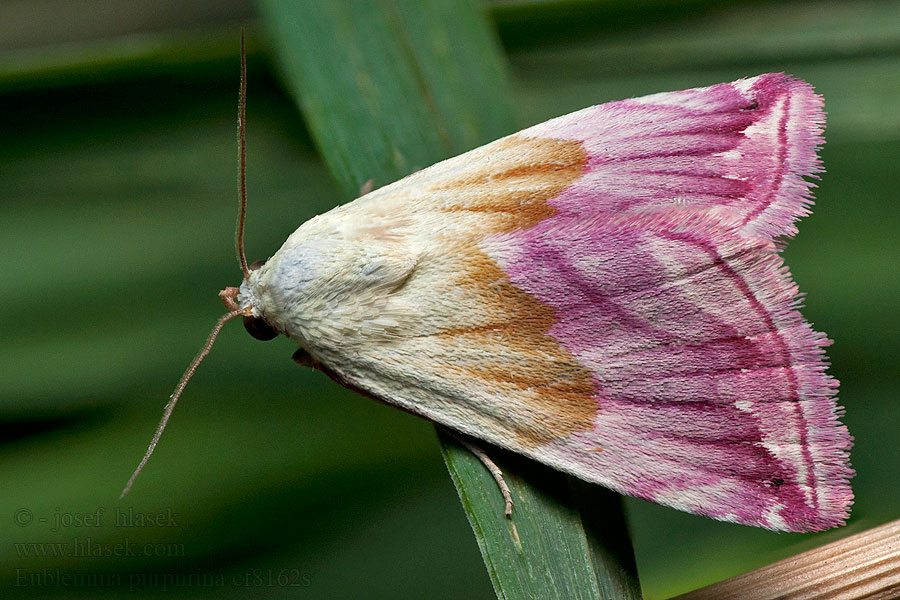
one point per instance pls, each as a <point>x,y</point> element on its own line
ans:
<point>602,293</point>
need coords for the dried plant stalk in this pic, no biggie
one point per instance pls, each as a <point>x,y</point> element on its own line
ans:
<point>862,566</point>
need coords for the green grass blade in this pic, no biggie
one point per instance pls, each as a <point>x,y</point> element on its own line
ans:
<point>390,87</point>
<point>382,87</point>
<point>566,540</point>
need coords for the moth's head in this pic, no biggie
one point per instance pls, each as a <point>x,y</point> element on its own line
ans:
<point>243,299</point>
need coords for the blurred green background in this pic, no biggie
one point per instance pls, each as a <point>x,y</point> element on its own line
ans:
<point>118,197</point>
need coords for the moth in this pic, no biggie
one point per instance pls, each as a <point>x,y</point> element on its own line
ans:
<point>602,293</point>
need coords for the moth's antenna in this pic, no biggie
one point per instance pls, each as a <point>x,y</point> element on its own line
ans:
<point>173,399</point>
<point>242,169</point>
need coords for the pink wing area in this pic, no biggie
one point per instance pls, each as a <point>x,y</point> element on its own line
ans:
<point>710,388</point>
<point>660,264</point>
<point>741,147</point>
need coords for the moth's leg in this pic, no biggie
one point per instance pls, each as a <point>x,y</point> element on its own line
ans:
<point>302,358</point>
<point>366,187</point>
<point>492,468</point>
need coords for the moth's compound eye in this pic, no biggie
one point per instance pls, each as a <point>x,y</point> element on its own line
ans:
<point>257,264</point>
<point>259,329</point>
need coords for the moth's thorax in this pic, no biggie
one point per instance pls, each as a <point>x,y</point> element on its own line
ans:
<point>281,291</point>
<point>329,281</point>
